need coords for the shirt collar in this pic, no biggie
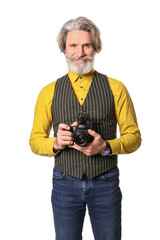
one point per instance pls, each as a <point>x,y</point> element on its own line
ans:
<point>74,77</point>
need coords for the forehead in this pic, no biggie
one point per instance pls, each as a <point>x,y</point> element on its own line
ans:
<point>78,36</point>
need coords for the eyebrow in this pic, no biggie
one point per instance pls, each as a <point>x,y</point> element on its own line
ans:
<point>87,43</point>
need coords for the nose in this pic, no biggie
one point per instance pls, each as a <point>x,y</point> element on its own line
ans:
<point>80,52</point>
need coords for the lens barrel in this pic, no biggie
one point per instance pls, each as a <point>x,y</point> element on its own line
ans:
<point>81,139</point>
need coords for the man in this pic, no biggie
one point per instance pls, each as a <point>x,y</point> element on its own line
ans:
<point>85,175</point>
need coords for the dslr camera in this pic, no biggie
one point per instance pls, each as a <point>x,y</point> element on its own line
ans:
<point>81,135</point>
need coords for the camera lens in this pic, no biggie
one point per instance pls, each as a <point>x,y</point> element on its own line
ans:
<point>81,139</point>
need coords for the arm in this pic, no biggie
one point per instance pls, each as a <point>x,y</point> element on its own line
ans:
<point>40,142</point>
<point>130,137</point>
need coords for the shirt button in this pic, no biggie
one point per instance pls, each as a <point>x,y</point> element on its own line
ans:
<point>81,98</point>
<point>84,162</point>
<point>81,87</point>
<point>80,77</point>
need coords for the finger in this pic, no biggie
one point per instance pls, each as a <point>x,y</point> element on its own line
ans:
<point>64,133</point>
<point>64,143</point>
<point>75,146</point>
<point>92,133</point>
<point>71,145</point>
<point>63,126</point>
<point>66,138</point>
<point>74,124</point>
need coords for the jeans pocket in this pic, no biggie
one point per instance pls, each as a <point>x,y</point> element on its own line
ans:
<point>111,175</point>
<point>58,174</point>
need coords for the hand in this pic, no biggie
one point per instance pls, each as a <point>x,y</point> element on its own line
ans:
<point>64,137</point>
<point>92,148</point>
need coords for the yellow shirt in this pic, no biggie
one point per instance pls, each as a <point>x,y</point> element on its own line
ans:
<point>130,138</point>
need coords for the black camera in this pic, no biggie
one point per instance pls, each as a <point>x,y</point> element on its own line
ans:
<point>81,135</point>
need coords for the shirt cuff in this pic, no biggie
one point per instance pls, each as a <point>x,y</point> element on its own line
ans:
<point>50,143</point>
<point>115,146</point>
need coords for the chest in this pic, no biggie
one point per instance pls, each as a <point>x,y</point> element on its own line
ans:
<point>98,102</point>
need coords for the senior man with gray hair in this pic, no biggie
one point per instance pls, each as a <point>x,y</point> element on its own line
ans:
<point>84,107</point>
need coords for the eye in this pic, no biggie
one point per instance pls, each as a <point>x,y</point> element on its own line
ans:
<point>73,45</point>
<point>87,45</point>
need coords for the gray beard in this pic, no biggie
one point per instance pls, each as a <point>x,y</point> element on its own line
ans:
<point>80,69</point>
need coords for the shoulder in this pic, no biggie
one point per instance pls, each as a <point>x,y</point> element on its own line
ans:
<point>116,83</point>
<point>117,86</point>
<point>48,90</point>
<point>46,94</point>
<point>119,90</point>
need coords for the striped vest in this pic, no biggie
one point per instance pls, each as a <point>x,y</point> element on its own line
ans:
<point>99,105</point>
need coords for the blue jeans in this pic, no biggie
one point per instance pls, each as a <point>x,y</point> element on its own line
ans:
<point>102,195</point>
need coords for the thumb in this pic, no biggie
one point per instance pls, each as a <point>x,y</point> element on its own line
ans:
<point>92,133</point>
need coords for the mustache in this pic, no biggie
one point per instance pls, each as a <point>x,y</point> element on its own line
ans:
<point>85,58</point>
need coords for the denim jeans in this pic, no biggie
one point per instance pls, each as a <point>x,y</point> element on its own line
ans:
<point>101,195</point>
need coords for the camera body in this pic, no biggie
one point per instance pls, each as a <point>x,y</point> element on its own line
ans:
<point>81,135</point>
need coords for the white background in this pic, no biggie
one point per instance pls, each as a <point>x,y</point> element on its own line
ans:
<point>29,60</point>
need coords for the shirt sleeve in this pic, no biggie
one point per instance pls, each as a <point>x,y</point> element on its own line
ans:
<point>39,141</point>
<point>130,137</point>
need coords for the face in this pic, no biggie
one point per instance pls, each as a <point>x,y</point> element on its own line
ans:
<point>79,52</point>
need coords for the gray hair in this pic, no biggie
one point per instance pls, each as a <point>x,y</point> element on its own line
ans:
<point>80,23</point>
